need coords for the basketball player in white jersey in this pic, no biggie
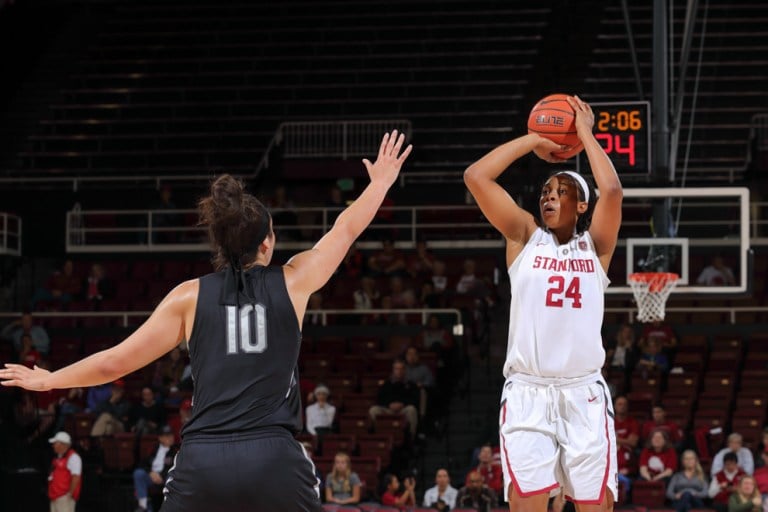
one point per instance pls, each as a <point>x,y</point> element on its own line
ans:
<point>556,419</point>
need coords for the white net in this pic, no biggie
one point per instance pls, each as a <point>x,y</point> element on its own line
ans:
<point>651,290</point>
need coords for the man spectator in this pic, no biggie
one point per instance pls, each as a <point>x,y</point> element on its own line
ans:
<point>388,261</point>
<point>627,436</point>
<point>96,395</point>
<point>716,274</point>
<point>489,469</point>
<point>112,415</point>
<point>60,288</point>
<point>397,396</point>
<point>659,421</point>
<point>662,333</point>
<point>743,455</point>
<point>421,262</point>
<point>96,285</point>
<point>65,479</point>
<point>476,494</point>
<point>724,481</point>
<point>154,470</point>
<point>25,325</point>
<point>419,374</point>
<point>321,414</point>
<point>442,496</point>
<point>148,414</point>
<point>761,475</point>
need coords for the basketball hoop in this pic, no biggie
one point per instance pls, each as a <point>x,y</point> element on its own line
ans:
<point>651,290</point>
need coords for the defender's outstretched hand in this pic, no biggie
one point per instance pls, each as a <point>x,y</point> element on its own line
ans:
<point>389,161</point>
<point>21,376</point>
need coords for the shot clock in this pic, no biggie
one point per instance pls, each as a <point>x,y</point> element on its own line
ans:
<point>623,129</point>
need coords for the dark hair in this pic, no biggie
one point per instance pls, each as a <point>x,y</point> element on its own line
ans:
<point>730,457</point>
<point>585,219</point>
<point>237,222</point>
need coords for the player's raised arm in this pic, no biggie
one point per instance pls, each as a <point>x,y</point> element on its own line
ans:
<point>496,204</point>
<point>606,218</point>
<point>162,331</point>
<point>308,271</point>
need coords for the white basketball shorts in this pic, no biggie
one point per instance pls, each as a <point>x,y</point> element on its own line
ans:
<point>558,432</point>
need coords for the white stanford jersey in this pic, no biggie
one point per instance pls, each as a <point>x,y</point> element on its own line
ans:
<point>556,310</point>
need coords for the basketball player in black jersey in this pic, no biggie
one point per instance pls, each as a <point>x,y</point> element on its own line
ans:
<point>243,325</point>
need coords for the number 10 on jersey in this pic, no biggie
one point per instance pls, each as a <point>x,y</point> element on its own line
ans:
<point>248,341</point>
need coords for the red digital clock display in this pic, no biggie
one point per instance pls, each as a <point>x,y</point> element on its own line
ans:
<point>624,131</point>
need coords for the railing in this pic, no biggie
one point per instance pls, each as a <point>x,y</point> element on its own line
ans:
<point>10,234</point>
<point>124,316</point>
<point>330,139</point>
<point>337,139</point>
<point>444,226</point>
<point>732,311</point>
<point>759,131</point>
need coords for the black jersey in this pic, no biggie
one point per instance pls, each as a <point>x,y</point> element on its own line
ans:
<point>244,356</point>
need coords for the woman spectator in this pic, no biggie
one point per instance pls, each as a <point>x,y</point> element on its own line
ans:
<point>747,497</point>
<point>658,460</point>
<point>342,485</point>
<point>688,487</point>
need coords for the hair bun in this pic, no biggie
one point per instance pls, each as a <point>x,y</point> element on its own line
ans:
<point>227,195</point>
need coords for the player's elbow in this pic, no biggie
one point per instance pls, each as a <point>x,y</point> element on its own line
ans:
<point>110,366</point>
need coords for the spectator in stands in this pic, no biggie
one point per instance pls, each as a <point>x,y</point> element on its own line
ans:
<point>490,469</point>
<point>664,336</point>
<point>96,395</point>
<point>652,361</point>
<point>388,261</point>
<point>169,372</point>
<point>419,374</point>
<point>716,274</point>
<point>153,471</point>
<point>97,286</point>
<point>735,444</point>
<point>28,355</point>
<point>398,396</point>
<point>428,298</point>
<point>658,460</point>
<point>112,415</point>
<point>320,415</point>
<point>398,292</point>
<point>367,296</point>
<point>627,437</point>
<point>762,446</point>
<point>62,286</point>
<point>659,421</point>
<point>66,477</point>
<point>688,487</point>
<point>622,353</point>
<point>394,497</point>
<point>421,262</point>
<point>26,325</point>
<point>354,263</point>
<point>283,215</point>
<point>335,203</point>
<point>164,219</point>
<point>185,411</point>
<point>148,415</point>
<point>761,474</point>
<point>314,315</point>
<point>724,482</point>
<point>442,496</point>
<point>71,403</point>
<point>467,281</point>
<point>342,485</point>
<point>439,279</point>
<point>476,495</point>
<point>746,498</point>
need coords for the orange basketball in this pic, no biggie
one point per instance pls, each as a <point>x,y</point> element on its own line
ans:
<point>552,117</point>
